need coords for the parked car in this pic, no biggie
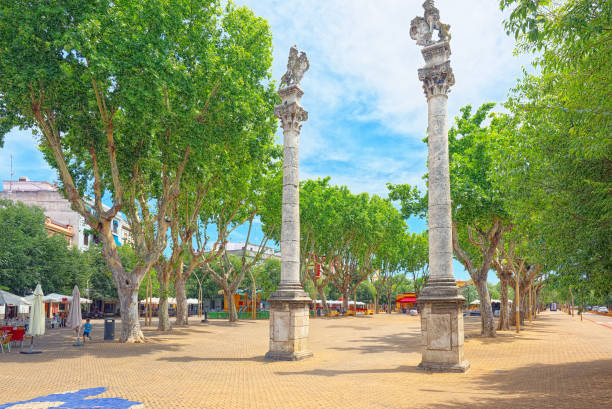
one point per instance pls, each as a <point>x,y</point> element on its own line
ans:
<point>603,309</point>
<point>475,313</point>
<point>413,312</point>
<point>594,308</point>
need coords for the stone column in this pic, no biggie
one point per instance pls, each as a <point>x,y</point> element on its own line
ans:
<point>441,301</point>
<point>289,305</point>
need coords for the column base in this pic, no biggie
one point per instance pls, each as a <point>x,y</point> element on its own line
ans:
<point>442,367</point>
<point>442,327</point>
<point>289,325</point>
<point>287,356</point>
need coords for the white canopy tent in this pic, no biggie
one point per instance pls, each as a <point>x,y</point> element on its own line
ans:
<point>11,299</point>
<point>336,302</point>
<point>171,300</point>
<point>58,299</point>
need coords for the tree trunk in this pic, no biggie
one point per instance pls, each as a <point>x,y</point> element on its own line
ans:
<point>376,303</point>
<point>182,311</point>
<point>389,303</point>
<point>486,312</point>
<point>517,297</point>
<point>504,321</point>
<point>321,291</point>
<point>162,310</point>
<point>231,307</point>
<point>130,325</point>
<point>524,306</point>
<point>345,299</point>
<point>571,302</point>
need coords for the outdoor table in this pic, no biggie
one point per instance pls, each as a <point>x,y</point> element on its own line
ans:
<point>17,332</point>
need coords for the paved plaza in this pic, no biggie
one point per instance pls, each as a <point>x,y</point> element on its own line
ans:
<point>359,362</point>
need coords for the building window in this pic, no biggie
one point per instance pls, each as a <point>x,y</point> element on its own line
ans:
<point>115,226</point>
<point>86,239</point>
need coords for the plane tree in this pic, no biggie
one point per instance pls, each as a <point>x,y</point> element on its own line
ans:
<point>121,99</point>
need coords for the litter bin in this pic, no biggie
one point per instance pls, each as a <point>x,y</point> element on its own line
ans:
<point>109,329</point>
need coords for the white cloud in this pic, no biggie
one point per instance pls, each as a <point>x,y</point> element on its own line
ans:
<point>363,70</point>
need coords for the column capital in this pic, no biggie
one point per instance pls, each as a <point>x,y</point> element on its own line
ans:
<point>437,74</point>
<point>291,114</point>
<point>437,79</point>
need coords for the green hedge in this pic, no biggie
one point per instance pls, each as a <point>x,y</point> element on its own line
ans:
<point>262,315</point>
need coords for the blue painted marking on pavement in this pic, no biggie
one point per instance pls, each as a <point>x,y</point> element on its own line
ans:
<point>77,400</point>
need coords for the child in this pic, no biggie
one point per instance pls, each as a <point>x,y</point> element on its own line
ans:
<point>87,330</point>
<point>54,320</point>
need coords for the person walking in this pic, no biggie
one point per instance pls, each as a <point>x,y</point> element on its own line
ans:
<point>87,330</point>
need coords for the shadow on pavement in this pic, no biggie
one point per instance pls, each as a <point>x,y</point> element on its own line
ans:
<point>572,385</point>
<point>213,359</point>
<point>339,372</point>
<point>402,342</point>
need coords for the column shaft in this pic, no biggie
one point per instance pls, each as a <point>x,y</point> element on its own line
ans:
<point>290,231</point>
<point>439,205</point>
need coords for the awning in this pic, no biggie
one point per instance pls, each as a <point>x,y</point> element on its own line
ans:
<point>406,300</point>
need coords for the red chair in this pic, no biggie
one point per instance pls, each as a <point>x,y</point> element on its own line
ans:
<point>18,335</point>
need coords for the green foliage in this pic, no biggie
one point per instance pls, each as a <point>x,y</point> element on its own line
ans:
<point>210,289</point>
<point>124,94</point>
<point>365,292</point>
<point>554,155</point>
<point>470,294</point>
<point>28,255</point>
<point>97,275</point>
<point>267,277</point>
<point>494,291</point>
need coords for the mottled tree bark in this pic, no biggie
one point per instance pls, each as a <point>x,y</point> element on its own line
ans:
<point>504,319</point>
<point>231,307</point>
<point>163,279</point>
<point>182,309</point>
<point>162,311</point>
<point>323,297</point>
<point>130,324</point>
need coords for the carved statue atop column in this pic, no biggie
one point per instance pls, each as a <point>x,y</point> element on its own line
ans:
<point>289,305</point>
<point>440,300</point>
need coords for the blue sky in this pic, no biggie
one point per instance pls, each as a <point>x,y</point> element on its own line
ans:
<point>367,111</point>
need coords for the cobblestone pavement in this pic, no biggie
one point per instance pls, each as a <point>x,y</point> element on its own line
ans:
<point>359,362</point>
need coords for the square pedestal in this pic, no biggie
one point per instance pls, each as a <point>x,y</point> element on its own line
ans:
<point>289,326</point>
<point>442,336</point>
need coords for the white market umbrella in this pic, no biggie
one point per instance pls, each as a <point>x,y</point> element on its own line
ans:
<point>37,319</point>
<point>75,319</point>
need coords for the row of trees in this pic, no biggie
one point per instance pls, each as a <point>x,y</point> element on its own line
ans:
<point>163,108</point>
<point>530,187</point>
<point>348,239</point>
